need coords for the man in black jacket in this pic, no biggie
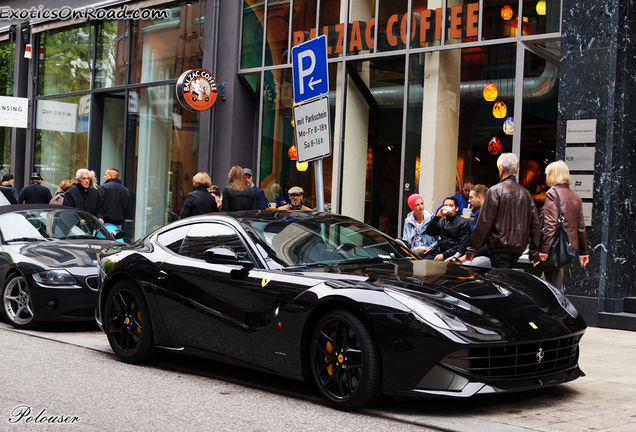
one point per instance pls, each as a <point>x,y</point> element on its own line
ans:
<point>453,229</point>
<point>115,203</point>
<point>82,195</point>
<point>35,193</point>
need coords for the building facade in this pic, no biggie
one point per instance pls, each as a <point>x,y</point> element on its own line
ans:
<point>411,106</point>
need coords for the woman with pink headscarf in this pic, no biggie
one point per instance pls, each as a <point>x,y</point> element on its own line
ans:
<point>415,227</point>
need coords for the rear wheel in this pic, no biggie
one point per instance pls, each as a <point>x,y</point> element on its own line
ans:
<point>127,323</point>
<point>345,360</point>
<point>16,303</point>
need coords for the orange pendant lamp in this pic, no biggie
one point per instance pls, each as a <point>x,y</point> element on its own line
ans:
<point>499,110</point>
<point>490,92</point>
<point>506,13</point>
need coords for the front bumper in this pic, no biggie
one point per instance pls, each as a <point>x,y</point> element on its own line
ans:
<point>63,303</point>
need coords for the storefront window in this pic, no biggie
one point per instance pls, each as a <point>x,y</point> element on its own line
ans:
<point>427,19</point>
<point>162,156</point>
<point>462,21</point>
<point>110,68</point>
<point>361,32</point>
<point>61,138</point>
<point>392,19</point>
<point>539,123</point>
<point>500,19</point>
<point>6,89</point>
<point>163,49</point>
<point>332,24</point>
<point>304,21</point>
<point>64,61</point>
<point>277,32</point>
<point>541,16</point>
<point>252,38</point>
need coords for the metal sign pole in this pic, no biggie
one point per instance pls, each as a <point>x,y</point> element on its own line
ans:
<point>320,190</point>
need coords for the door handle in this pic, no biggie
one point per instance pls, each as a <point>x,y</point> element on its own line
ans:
<point>161,275</point>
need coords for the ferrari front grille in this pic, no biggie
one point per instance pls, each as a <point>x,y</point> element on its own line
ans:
<point>517,360</point>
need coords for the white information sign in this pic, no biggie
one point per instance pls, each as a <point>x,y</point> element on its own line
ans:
<point>14,112</point>
<point>580,158</point>
<point>583,185</point>
<point>580,132</point>
<point>587,213</point>
<point>56,116</point>
<point>313,134</point>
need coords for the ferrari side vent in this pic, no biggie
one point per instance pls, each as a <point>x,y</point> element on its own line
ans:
<point>517,360</point>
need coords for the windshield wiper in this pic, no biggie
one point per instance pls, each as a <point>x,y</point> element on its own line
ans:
<point>364,260</point>
<point>83,236</point>
<point>26,239</point>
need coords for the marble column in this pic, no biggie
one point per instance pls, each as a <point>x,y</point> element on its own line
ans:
<point>598,81</point>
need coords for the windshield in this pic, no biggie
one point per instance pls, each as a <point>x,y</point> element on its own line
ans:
<point>41,225</point>
<point>290,241</point>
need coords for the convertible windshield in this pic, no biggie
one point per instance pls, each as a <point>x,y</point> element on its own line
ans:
<point>295,241</point>
<point>37,225</point>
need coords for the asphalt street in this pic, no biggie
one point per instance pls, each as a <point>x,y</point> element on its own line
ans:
<point>603,400</point>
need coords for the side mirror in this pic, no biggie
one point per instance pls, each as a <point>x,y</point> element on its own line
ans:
<point>225,255</point>
<point>118,234</point>
<point>403,243</point>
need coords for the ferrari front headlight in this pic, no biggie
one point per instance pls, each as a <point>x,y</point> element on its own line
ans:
<point>563,300</point>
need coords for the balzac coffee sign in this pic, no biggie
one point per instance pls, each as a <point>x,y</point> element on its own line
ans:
<point>196,90</point>
<point>426,26</point>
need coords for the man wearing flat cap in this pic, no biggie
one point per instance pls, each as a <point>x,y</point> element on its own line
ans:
<point>296,198</point>
<point>35,193</point>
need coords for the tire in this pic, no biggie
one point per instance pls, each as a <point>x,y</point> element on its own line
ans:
<point>345,361</point>
<point>16,303</point>
<point>127,323</point>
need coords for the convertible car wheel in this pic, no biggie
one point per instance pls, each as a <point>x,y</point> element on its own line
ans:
<point>345,360</point>
<point>16,303</point>
<point>127,323</point>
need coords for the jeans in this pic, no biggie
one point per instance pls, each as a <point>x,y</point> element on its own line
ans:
<point>504,259</point>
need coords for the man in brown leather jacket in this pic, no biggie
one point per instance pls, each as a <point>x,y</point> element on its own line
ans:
<point>508,219</point>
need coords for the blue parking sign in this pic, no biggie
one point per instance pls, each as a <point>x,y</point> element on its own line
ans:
<point>309,66</point>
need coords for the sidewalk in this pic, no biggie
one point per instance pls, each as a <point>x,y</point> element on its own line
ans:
<point>603,400</point>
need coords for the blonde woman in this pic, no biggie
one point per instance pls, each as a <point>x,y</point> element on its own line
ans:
<point>558,179</point>
<point>238,195</point>
<point>199,201</point>
<point>65,185</point>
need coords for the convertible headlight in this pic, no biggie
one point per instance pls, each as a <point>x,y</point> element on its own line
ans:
<point>55,277</point>
<point>428,312</point>
<point>563,300</point>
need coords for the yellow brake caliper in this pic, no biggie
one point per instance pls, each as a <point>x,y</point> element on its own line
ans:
<point>330,349</point>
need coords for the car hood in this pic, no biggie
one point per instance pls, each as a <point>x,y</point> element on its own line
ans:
<point>76,256</point>
<point>505,301</point>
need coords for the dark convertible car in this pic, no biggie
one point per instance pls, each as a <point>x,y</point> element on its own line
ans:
<point>326,298</point>
<point>47,263</point>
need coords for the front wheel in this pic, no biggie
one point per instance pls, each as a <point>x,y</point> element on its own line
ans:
<point>16,303</point>
<point>127,323</point>
<point>345,361</point>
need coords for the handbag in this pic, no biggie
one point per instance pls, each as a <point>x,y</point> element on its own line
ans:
<point>561,253</point>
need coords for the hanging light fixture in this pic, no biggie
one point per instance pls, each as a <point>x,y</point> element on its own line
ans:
<point>499,110</point>
<point>541,8</point>
<point>494,146</point>
<point>490,92</point>
<point>292,152</point>
<point>509,126</point>
<point>506,13</point>
<point>302,166</point>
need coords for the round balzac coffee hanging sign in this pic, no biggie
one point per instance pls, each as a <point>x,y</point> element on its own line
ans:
<point>196,90</point>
